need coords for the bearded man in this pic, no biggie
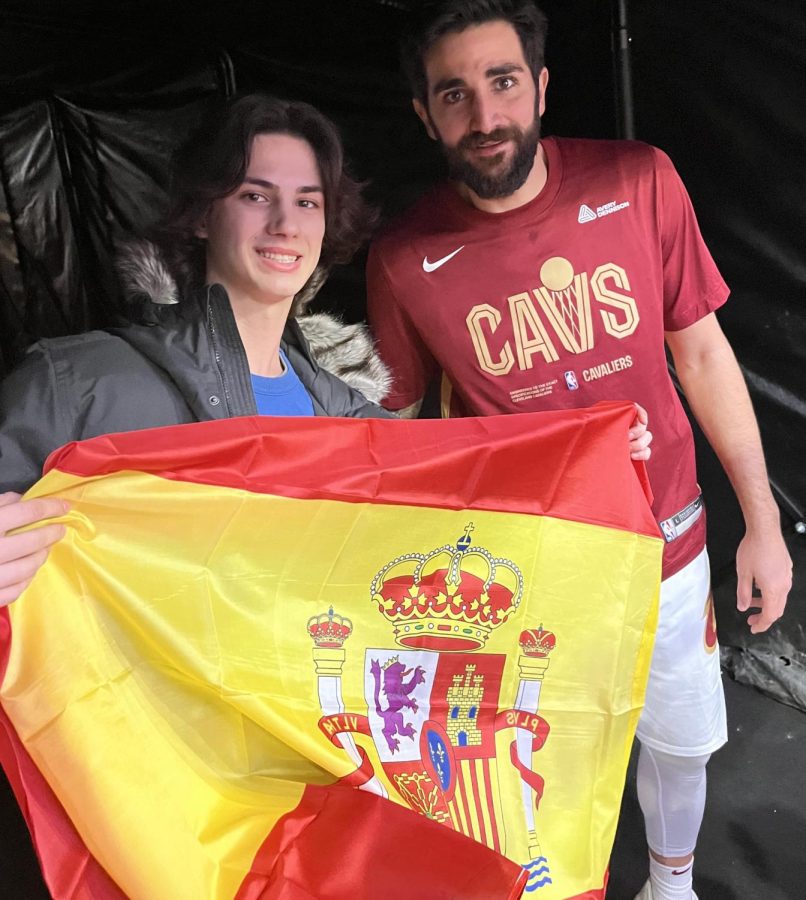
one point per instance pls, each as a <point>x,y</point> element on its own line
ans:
<point>547,274</point>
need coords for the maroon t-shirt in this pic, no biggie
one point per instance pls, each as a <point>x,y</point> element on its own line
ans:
<point>560,303</point>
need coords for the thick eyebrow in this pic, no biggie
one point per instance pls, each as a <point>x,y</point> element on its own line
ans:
<point>449,84</point>
<point>270,185</point>
<point>505,69</point>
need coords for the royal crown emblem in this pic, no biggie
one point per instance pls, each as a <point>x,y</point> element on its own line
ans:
<point>329,630</point>
<point>450,599</point>
<point>537,642</point>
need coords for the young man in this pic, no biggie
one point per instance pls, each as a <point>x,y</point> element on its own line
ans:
<point>261,208</point>
<point>549,274</point>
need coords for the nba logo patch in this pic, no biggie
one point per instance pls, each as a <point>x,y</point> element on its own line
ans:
<point>571,381</point>
<point>669,531</point>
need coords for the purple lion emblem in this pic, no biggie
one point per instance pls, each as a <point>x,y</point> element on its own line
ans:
<point>397,695</point>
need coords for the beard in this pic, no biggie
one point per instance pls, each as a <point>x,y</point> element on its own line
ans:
<point>484,178</point>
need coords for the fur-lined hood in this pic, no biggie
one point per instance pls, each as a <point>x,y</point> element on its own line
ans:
<point>346,351</point>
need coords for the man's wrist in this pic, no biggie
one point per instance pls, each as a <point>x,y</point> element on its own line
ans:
<point>763,522</point>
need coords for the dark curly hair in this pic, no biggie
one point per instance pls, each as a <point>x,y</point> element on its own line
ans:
<point>433,19</point>
<point>213,162</point>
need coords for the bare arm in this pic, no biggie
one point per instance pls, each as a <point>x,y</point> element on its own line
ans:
<point>715,389</point>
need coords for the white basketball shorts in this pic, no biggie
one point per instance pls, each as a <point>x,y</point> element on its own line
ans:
<point>684,712</point>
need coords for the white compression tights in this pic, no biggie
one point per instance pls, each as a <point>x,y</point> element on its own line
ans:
<point>671,791</point>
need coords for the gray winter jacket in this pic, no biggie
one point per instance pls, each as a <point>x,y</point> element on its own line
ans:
<point>185,364</point>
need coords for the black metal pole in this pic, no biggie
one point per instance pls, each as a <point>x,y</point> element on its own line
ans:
<point>623,71</point>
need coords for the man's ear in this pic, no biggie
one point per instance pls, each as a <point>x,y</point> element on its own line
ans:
<point>422,113</point>
<point>542,84</point>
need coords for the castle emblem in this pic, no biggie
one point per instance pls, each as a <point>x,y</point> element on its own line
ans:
<point>434,710</point>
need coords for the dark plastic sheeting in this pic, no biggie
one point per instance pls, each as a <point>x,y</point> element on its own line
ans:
<point>73,177</point>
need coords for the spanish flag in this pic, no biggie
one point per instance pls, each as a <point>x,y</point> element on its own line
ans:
<point>330,658</point>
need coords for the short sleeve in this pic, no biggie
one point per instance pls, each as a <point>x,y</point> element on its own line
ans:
<point>692,284</point>
<point>397,340</point>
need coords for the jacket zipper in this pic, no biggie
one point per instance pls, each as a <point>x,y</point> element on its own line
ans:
<point>230,370</point>
<point>217,355</point>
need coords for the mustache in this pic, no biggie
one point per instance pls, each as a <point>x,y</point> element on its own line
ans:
<point>477,138</point>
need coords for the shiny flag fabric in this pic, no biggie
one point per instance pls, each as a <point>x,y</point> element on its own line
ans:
<point>335,658</point>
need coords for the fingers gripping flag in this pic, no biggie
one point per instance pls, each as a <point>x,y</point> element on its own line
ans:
<point>335,658</point>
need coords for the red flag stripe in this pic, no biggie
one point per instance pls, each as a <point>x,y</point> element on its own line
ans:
<point>342,844</point>
<point>489,788</point>
<point>480,802</point>
<point>387,462</point>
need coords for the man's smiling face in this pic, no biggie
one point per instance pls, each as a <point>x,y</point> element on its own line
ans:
<point>264,239</point>
<point>483,107</point>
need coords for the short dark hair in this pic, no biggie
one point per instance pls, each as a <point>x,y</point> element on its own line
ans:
<point>212,164</point>
<point>433,19</point>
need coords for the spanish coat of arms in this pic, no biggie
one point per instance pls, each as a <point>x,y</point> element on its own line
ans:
<point>433,708</point>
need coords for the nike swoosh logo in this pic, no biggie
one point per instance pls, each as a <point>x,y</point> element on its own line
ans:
<point>680,871</point>
<point>432,266</point>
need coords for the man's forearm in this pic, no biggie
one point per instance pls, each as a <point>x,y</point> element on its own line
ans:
<point>716,391</point>
<point>714,386</point>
